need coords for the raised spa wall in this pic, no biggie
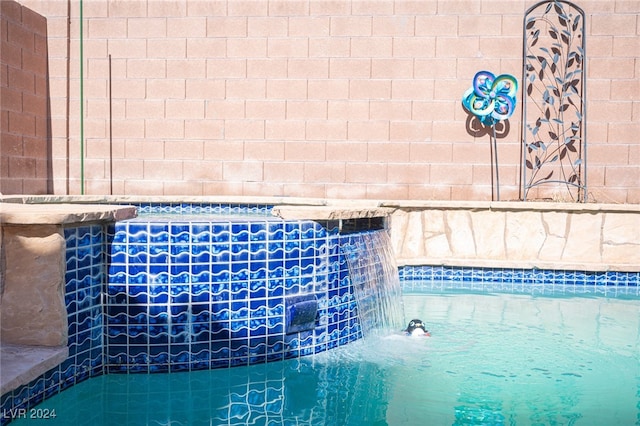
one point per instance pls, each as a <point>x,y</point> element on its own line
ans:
<point>492,234</point>
<point>53,272</point>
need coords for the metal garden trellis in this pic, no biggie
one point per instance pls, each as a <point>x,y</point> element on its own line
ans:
<point>554,144</point>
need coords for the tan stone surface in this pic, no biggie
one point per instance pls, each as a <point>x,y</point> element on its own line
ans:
<point>20,365</point>
<point>414,235</point>
<point>398,221</point>
<point>552,248</point>
<point>488,228</point>
<point>13,213</point>
<point>436,239</point>
<point>621,229</point>
<point>460,233</point>
<point>120,199</point>
<point>624,254</point>
<point>434,221</point>
<point>555,223</point>
<point>329,212</point>
<point>584,238</point>
<point>33,310</point>
<point>437,247</point>
<point>524,235</point>
<point>554,235</point>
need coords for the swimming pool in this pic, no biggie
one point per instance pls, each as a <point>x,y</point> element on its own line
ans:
<point>492,359</point>
<point>131,310</point>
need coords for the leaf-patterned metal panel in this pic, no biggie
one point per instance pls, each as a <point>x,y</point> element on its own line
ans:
<point>554,141</point>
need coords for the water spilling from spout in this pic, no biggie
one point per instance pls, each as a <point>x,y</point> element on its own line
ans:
<point>374,276</point>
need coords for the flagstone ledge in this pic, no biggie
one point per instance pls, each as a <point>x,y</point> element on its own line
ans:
<point>20,364</point>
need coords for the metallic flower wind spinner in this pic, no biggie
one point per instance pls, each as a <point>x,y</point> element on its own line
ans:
<point>491,100</point>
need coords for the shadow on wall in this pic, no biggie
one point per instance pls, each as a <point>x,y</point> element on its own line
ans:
<point>476,129</point>
<point>25,106</point>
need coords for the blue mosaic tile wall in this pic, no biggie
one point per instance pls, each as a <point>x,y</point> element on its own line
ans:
<point>85,278</point>
<point>214,292</point>
<point>428,278</point>
<point>184,209</point>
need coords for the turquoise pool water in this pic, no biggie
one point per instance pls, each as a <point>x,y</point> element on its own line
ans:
<point>492,359</point>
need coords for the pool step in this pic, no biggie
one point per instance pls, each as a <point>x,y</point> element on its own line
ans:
<point>19,364</point>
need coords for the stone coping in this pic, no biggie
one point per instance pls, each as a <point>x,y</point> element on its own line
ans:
<point>343,203</point>
<point>512,206</point>
<point>62,214</point>
<point>138,199</point>
<point>22,364</point>
<point>24,210</point>
<point>293,212</point>
<point>517,264</point>
<point>62,209</point>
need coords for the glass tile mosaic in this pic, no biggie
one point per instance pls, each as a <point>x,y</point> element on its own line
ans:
<point>428,278</point>
<point>210,292</point>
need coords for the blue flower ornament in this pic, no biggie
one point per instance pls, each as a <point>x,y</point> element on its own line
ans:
<point>491,99</point>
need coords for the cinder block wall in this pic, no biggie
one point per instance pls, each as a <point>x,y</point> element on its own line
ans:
<point>315,98</point>
<point>25,155</point>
